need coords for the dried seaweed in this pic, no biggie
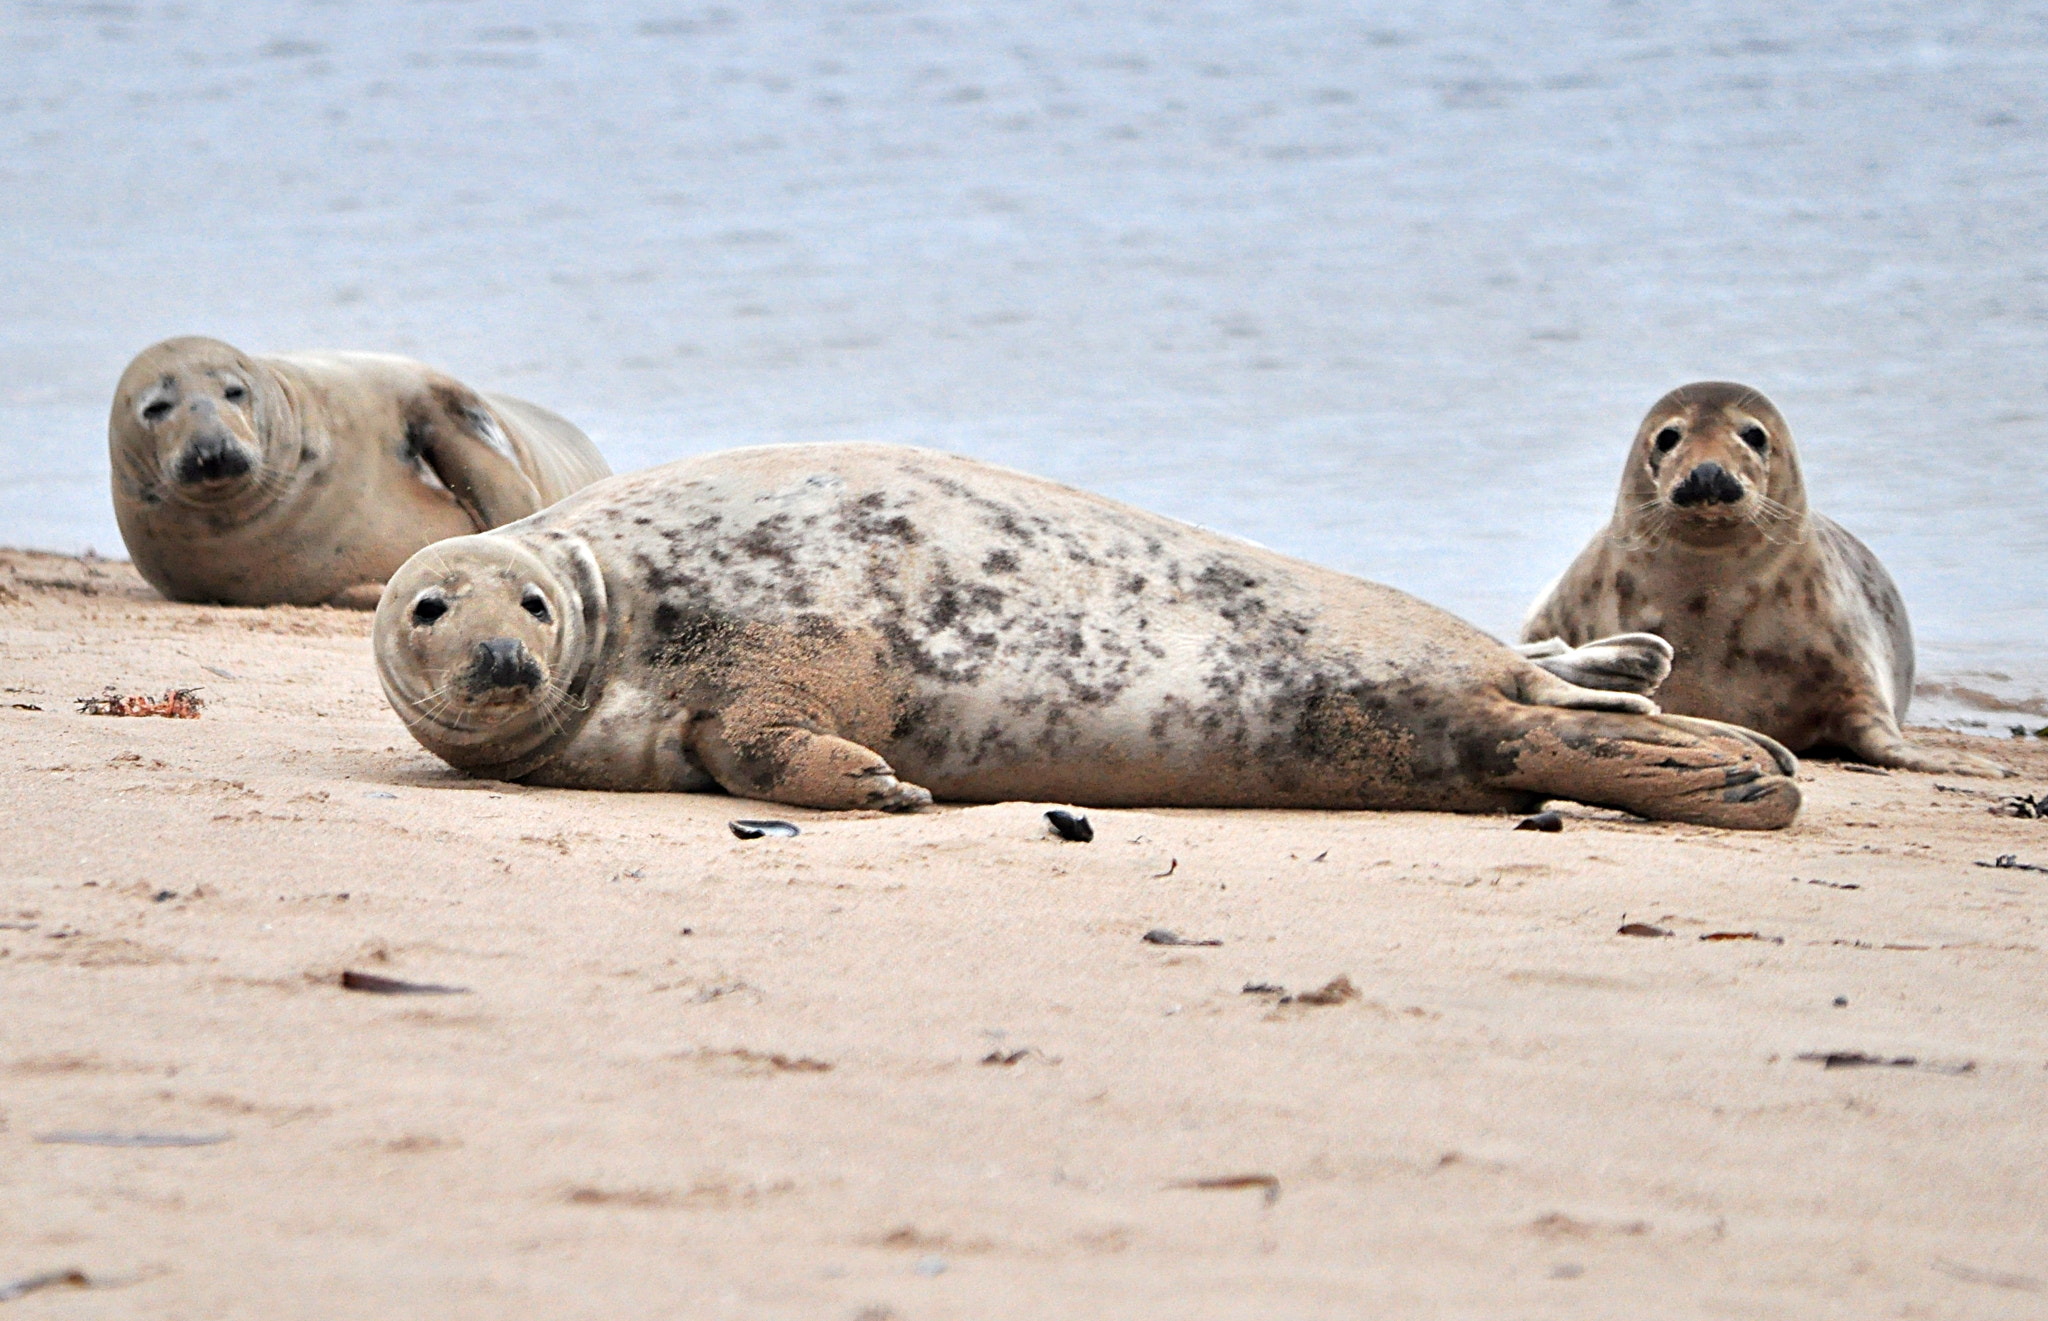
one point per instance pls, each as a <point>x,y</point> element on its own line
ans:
<point>1333,992</point>
<point>178,704</point>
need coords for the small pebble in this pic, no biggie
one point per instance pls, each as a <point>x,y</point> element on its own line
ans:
<point>930,1266</point>
<point>1549,821</point>
<point>1841,1002</point>
<point>756,829</point>
<point>1070,826</point>
<point>379,793</point>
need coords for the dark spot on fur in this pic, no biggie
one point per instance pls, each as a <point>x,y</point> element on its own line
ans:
<point>999,561</point>
<point>764,541</point>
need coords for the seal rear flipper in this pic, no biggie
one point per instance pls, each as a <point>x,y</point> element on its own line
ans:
<point>1536,685</point>
<point>1626,662</point>
<point>801,767</point>
<point>1662,767</point>
<point>1782,755</point>
<point>454,433</point>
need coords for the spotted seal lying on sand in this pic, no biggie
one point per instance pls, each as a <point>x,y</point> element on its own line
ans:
<point>1780,620</point>
<point>293,479</point>
<point>867,626</point>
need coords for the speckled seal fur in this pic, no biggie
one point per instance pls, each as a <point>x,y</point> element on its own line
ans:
<point>848,626</point>
<point>300,478</point>
<point>1779,620</point>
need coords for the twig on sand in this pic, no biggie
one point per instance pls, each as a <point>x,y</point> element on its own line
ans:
<point>1224,1183</point>
<point>373,984</point>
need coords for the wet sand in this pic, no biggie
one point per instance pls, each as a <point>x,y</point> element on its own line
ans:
<point>926,1067</point>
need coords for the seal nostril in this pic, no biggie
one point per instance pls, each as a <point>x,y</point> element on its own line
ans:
<point>1709,483</point>
<point>502,663</point>
<point>212,459</point>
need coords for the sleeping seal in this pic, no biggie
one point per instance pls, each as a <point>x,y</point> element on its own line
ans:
<point>867,626</point>
<point>1779,619</point>
<point>293,479</point>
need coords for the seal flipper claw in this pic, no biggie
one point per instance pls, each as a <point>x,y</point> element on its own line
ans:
<point>1787,763</point>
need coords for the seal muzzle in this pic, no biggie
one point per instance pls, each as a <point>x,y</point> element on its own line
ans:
<point>1708,484</point>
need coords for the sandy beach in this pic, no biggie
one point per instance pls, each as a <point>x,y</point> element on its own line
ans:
<point>928,1067</point>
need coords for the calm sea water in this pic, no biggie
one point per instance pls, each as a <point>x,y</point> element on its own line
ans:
<point>1386,286</point>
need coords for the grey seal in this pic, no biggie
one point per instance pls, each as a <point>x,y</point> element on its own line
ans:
<point>295,479</point>
<point>1779,619</point>
<point>869,626</point>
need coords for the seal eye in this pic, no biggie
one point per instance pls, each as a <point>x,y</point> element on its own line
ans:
<point>1755,438</point>
<point>428,609</point>
<point>533,603</point>
<point>1667,440</point>
<point>157,411</point>
<point>235,393</point>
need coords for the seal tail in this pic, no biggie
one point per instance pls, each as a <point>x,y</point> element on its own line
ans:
<point>1667,768</point>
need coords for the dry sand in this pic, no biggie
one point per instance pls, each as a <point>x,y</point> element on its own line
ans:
<point>699,1077</point>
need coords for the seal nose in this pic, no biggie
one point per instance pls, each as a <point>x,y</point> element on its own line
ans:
<point>211,458</point>
<point>502,663</point>
<point>1708,484</point>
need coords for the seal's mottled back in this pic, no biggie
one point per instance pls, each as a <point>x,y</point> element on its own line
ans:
<point>848,626</point>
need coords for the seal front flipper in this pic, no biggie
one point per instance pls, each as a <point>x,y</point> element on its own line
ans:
<point>788,763</point>
<point>450,429</point>
<point>1873,736</point>
<point>1626,662</point>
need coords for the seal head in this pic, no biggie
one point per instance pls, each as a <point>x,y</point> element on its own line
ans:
<point>197,422</point>
<point>1713,466</point>
<point>487,646</point>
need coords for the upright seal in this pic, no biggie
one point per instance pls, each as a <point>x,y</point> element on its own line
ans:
<point>294,479</point>
<point>867,626</point>
<point>1779,619</point>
